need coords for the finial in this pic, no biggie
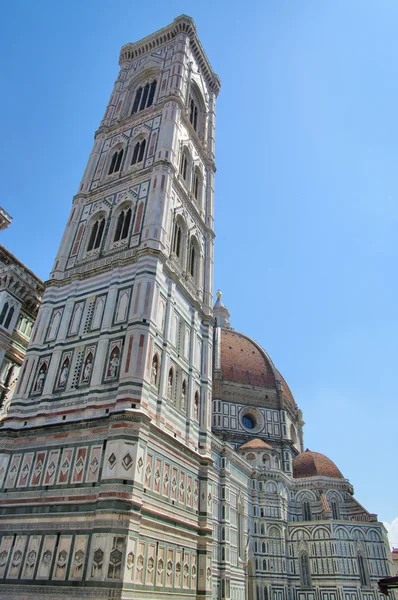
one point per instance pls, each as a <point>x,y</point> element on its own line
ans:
<point>219,293</point>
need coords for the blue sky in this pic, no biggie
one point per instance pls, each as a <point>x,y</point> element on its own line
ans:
<point>306,188</point>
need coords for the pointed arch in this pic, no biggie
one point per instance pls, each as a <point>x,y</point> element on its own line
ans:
<point>305,572</point>
<point>139,147</point>
<point>197,185</point>
<point>123,222</point>
<point>144,91</point>
<point>186,165</point>
<point>196,109</point>
<point>116,161</point>
<point>193,259</point>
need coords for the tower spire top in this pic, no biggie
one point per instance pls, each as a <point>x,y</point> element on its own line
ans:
<point>221,313</point>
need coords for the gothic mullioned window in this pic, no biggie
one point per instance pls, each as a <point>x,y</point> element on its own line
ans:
<point>196,110</point>
<point>193,113</point>
<point>177,239</point>
<point>116,161</point>
<point>97,231</point>
<point>335,509</point>
<point>138,152</point>
<point>363,574</point>
<point>305,573</point>
<point>192,260</point>
<point>123,225</point>
<point>197,185</point>
<point>144,96</point>
<point>307,511</point>
<point>184,166</point>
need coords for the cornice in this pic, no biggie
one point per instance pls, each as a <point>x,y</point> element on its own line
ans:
<point>182,24</point>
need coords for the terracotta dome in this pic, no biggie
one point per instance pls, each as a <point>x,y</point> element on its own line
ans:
<point>255,444</point>
<point>244,361</point>
<point>313,464</point>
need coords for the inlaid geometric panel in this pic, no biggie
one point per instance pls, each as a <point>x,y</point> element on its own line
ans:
<point>79,466</point>
<point>78,558</point>
<point>62,557</point>
<point>4,460</point>
<point>94,463</point>
<point>32,554</point>
<point>13,471</point>
<point>65,466</point>
<point>16,557</point>
<point>38,468</point>
<point>5,549</point>
<point>51,467</point>
<point>46,557</point>
<point>25,469</point>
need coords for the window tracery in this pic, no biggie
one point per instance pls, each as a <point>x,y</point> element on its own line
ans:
<point>144,96</point>
<point>97,231</point>
<point>138,152</point>
<point>123,224</point>
<point>116,161</point>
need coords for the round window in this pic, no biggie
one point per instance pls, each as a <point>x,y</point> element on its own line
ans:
<point>248,422</point>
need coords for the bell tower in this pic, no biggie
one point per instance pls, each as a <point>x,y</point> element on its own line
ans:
<point>110,423</point>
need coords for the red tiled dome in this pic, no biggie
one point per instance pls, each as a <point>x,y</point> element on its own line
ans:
<point>244,361</point>
<point>313,464</point>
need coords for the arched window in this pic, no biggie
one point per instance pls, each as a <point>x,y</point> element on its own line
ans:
<point>264,565</point>
<point>196,406</point>
<point>305,573</point>
<point>97,231</point>
<point>184,165</point>
<point>144,97</point>
<point>123,225</point>
<point>262,529</point>
<point>177,239</point>
<point>138,152</point>
<point>197,185</point>
<point>3,313</point>
<point>196,109</point>
<point>335,509</point>
<point>116,161</point>
<point>307,511</point>
<point>192,260</point>
<point>193,113</point>
<point>263,547</point>
<point>363,574</point>
<point>9,317</point>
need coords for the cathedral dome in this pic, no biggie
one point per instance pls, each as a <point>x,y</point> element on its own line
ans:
<point>243,361</point>
<point>313,464</point>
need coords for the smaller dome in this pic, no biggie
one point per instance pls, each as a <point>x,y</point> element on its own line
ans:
<point>313,464</point>
<point>255,444</point>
